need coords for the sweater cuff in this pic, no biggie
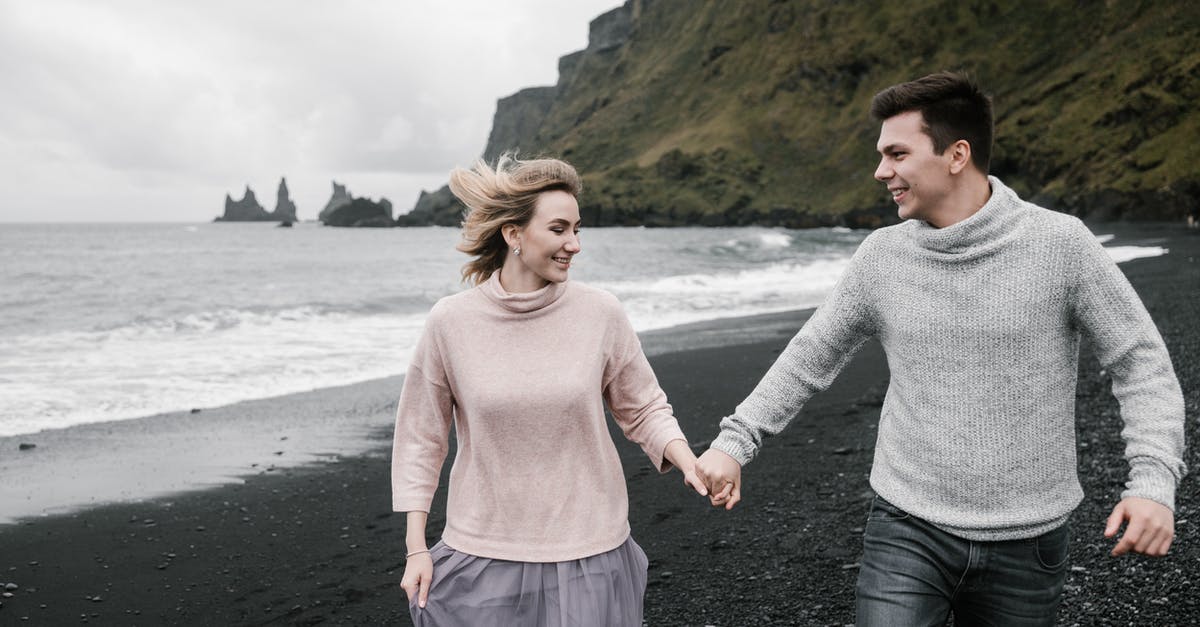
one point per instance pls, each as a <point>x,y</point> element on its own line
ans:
<point>734,445</point>
<point>411,503</point>
<point>1150,480</point>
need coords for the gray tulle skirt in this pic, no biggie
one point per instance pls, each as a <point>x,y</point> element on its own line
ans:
<point>604,589</point>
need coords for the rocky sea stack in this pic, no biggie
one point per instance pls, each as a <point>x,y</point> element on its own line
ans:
<point>249,210</point>
<point>756,112</point>
<point>343,209</point>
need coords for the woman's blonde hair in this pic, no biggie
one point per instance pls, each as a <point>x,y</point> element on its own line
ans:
<point>503,195</point>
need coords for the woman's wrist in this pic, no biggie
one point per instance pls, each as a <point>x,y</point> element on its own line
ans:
<point>680,455</point>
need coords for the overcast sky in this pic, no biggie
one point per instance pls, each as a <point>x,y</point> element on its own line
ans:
<point>153,110</point>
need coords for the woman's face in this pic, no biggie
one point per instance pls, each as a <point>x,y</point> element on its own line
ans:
<point>551,239</point>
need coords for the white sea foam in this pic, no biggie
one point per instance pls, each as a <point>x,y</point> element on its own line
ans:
<point>1121,254</point>
<point>658,303</point>
<point>200,360</point>
<point>775,239</point>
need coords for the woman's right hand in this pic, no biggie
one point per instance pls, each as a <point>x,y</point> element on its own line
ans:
<point>418,576</point>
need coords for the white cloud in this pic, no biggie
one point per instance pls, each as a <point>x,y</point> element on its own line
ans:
<point>144,110</point>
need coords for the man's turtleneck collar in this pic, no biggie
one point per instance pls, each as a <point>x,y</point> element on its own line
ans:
<point>522,302</point>
<point>987,227</point>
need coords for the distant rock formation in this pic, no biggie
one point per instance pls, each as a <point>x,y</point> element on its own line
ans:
<point>248,208</point>
<point>245,210</point>
<point>339,198</point>
<point>343,209</point>
<point>439,208</point>
<point>362,212</point>
<point>285,209</point>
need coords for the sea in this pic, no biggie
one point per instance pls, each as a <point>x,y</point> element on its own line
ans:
<point>103,322</point>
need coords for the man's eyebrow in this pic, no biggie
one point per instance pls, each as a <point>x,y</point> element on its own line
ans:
<point>891,148</point>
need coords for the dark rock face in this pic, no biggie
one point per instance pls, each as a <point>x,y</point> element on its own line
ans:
<point>362,212</point>
<point>438,208</point>
<point>285,209</point>
<point>517,120</point>
<point>248,208</point>
<point>339,198</point>
<point>611,30</point>
<point>245,210</point>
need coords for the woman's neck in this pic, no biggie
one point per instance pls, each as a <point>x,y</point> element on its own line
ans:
<point>516,278</point>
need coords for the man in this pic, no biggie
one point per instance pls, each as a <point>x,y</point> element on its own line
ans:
<point>979,300</point>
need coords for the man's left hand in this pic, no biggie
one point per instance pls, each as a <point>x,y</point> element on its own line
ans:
<point>1149,529</point>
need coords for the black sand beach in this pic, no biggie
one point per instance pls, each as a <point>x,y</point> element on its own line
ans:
<point>318,543</point>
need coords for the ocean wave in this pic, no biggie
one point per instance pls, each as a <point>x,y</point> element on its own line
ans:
<point>656,303</point>
<point>1121,254</point>
<point>71,377</point>
<point>199,322</point>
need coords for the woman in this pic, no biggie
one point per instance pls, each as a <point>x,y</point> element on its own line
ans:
<point>537,529</point>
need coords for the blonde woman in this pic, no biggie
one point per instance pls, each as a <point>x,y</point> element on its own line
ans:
<point>537,529</point>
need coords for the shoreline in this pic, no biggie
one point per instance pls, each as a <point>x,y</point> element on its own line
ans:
<point>165,455</point>
<point>318,543</point>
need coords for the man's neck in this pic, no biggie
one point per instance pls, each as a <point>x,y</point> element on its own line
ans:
<point>967,200</point>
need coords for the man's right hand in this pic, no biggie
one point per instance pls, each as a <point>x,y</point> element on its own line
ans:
<point>723,476</point>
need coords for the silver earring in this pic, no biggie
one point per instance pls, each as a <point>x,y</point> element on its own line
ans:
<point>517,251</point>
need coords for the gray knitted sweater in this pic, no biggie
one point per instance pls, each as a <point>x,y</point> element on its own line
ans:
<point>981,323</point>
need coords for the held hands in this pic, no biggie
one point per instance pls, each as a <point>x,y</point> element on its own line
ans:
<point>1150,529</point>
<point>723,476</point>
<point>418,575</point>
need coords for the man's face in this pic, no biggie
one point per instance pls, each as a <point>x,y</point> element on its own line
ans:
<point>918,179</point>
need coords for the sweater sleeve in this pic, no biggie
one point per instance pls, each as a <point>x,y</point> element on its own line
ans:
<point>1107,309</point>
<point>809,364</point>
<point>422,436</point>
<point>638,405</point>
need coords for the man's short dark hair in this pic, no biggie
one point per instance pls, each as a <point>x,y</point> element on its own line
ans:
<point>954,108</point>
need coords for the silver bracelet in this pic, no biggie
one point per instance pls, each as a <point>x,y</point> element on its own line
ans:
<point>416,553</point>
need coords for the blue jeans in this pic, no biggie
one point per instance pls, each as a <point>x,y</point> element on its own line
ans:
<point>913,573</point>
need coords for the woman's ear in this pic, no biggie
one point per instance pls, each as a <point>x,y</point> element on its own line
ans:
<point>512,235</point>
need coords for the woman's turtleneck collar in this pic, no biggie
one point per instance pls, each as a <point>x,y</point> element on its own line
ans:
<point>988,226</point>
<point>522,302</point>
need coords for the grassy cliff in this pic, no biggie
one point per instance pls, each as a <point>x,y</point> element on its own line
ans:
<point>687,112</point>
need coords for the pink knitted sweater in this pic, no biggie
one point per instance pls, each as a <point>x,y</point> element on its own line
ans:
<point>524,378</point>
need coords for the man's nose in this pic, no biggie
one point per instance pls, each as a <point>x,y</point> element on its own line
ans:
<point>883,172</point>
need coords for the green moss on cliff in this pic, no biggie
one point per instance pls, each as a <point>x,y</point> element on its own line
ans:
<point>756,111</point>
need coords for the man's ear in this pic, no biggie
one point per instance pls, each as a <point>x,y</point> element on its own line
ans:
<point>960,156</point>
